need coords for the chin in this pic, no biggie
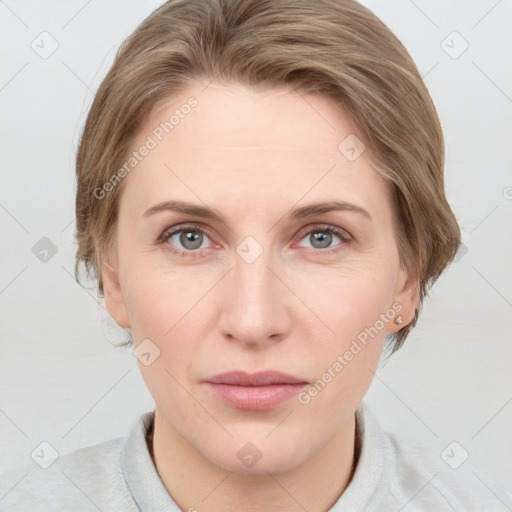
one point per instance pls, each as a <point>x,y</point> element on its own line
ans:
<point>259,456</point>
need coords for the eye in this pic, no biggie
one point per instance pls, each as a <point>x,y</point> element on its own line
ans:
<point>322,237</point>
<point>189,240</point>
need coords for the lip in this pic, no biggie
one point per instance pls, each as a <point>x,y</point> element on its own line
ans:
<point>262,378</point>
<point>259,391</point>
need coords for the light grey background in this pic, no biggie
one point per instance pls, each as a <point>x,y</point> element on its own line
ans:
<point>63,382</point>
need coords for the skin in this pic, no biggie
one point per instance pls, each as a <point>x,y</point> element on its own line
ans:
<point>254,156</point>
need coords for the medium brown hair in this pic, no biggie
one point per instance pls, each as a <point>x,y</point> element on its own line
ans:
<point>337,48</point>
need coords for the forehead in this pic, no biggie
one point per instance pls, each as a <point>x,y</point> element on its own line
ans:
<point>233,145</point>
<point>239,118</point>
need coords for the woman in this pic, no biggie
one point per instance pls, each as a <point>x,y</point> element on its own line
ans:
<point>260,196</point>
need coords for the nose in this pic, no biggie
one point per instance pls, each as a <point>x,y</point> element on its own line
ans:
<point>255,303</point>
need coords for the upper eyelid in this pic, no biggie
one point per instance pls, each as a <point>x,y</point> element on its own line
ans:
<point>182,227</point>
<point>324,227</point>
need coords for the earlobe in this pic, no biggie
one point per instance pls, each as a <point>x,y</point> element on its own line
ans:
<point>408,297</point>
<point>114,298</point>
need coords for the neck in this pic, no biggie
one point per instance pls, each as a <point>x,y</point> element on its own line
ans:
<point>196,484</point>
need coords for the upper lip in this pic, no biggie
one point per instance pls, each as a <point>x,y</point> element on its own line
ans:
<point>263,378</point>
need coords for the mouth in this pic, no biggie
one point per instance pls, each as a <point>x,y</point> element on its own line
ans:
<point>254,392</point>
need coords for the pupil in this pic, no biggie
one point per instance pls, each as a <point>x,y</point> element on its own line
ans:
<point>189,239</point>
<point>324,239</point>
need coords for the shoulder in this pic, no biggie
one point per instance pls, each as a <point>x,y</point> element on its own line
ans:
<point>424,478</point>
<point>394,474</point>
<point>88,477</point>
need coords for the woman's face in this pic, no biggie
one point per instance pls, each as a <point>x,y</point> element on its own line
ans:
<point>262,284</point>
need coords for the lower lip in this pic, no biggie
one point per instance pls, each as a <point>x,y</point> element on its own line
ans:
<point>254,398</point>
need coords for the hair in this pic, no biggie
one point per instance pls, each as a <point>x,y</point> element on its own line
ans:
<point>336,48</point>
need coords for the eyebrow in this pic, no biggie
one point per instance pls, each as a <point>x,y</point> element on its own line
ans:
<point>213,214</point>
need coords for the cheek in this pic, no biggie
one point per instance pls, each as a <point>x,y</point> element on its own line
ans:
<point>158,299</point>
<point>170,309</point>
<point>355,309</point>
<point>347,299</point>
<point>166,309</point>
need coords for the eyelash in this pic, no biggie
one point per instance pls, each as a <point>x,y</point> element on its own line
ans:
<point>167,234</point>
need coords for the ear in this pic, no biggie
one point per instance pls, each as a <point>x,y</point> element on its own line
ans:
<point>114,298</point>
<point>407,295</point>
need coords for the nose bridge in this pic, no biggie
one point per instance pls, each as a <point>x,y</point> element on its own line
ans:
<point>253,309</point>
<point>253,279</point>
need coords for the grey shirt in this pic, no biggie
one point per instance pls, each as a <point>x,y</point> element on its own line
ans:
<point>119,475</point>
